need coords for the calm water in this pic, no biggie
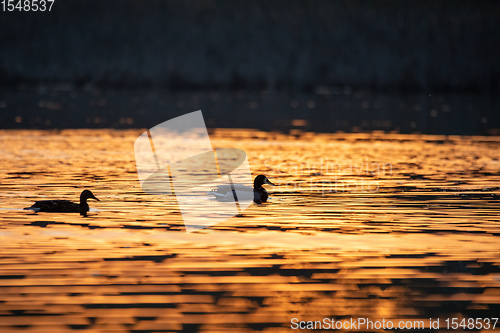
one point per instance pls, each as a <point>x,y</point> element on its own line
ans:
<point>362,225</point>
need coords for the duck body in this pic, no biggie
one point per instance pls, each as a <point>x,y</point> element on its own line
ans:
<point>64,206</point>
<point>229,192</point>
<point>260,195</point>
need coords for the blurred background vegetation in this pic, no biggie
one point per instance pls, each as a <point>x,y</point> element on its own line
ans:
<point>428,66</point>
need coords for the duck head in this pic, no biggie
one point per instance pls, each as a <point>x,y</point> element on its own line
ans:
<point>86,194</point>
<point>261,180</point>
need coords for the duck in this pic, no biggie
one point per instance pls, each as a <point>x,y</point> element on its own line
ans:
<point>228,192</point>
<point>65,206</point>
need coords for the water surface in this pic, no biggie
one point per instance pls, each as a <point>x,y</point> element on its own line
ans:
<point>362,225</point>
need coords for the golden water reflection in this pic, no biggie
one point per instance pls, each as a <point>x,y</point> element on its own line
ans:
<point>362,225</point>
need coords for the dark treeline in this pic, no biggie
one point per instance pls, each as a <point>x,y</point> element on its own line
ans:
<point>429,66</point>
<point>396,45</point>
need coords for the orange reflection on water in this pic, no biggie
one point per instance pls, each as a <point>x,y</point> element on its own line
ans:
<point>362,225</point>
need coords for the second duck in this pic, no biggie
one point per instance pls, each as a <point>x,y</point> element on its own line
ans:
<point>228,192</point>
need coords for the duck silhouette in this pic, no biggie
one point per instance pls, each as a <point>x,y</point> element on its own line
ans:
<point>64,206</point>
<point>228,192</point>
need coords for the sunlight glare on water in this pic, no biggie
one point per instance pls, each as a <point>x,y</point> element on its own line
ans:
<point>361,225</point>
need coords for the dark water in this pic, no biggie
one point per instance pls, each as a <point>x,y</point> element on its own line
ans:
<point>324,109</point>
<point>394,227</point>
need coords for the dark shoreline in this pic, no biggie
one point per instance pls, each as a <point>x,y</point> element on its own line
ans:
<point>380,45</point>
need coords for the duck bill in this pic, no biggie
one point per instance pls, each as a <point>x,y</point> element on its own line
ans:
<point>95,198</point>
<point>268,182</point>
